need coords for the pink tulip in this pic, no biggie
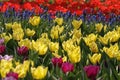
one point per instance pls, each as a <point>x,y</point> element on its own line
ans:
<point>67,67</point>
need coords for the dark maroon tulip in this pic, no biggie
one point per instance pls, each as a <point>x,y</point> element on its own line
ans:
<point>67,67</point>
<point>92,71</point>
<point>57,61</point>
<point>2,49</point>
<point>12,75</point>
<point>22,50</point>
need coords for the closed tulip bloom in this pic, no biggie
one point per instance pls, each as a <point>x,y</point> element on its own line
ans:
<point>67,67</point>
<point>57,61</point>
<point>91,71</point>
<point>40,72</point>
<point>99,27</point>
<point>2,49</point>
<point>22,50</point>
<point>95,58</point>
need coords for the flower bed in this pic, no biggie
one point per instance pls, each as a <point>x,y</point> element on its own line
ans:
<point>60,40</point>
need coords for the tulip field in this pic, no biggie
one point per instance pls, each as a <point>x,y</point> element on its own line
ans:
<point>59,39</point>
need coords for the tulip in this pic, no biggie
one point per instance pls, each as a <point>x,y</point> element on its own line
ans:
<point>74,55</point>
<point>2,49</point>
<point>25,42</point>
<point>59,21</point>
<point>91,71</point>
<point>30,32</point>
<point>99,27</point>
<point>12,74</point>
<point>53,46</point>
<point>57,61</point>
<point>18,34</point>
<point>95,58</point>
<point>76,24</point>
<point>67,67</point>
<point>22,50</point>
<point>39,73</point>
<point>35,20</point>
<point>5,67</point>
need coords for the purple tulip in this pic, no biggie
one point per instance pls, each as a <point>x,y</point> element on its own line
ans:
<point>67,67</point>
<point>57,61</point>
<point>2,49</point>
<point>22,50</point>
<point>92,71</point>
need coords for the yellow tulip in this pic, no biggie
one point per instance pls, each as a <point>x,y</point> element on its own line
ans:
<point>22,69</point>
<point>93,47</point>
<point>42,49</point>
<point>8,25</point>
<point>54,33</point>
<point>39,73</point>
<point>5,67</point>
<point>68,45</point>
<point>25,42</point>
<point>59,21</point>
<point>64,59</point>
<point>18,34</point>
<point>16,25</point>
<point>6,37</point>
<point>117,55</point>
<point>99,27</point>
<point>112,50</point>
<point>76,24</point>
<point>90,38</point>
<point>103,40</point>
<point>54,46</point>
<point>95,58</point>
<point>56,54</point>
<point>29,32</point>
<point>75,55</point>
<point>35,20</point>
